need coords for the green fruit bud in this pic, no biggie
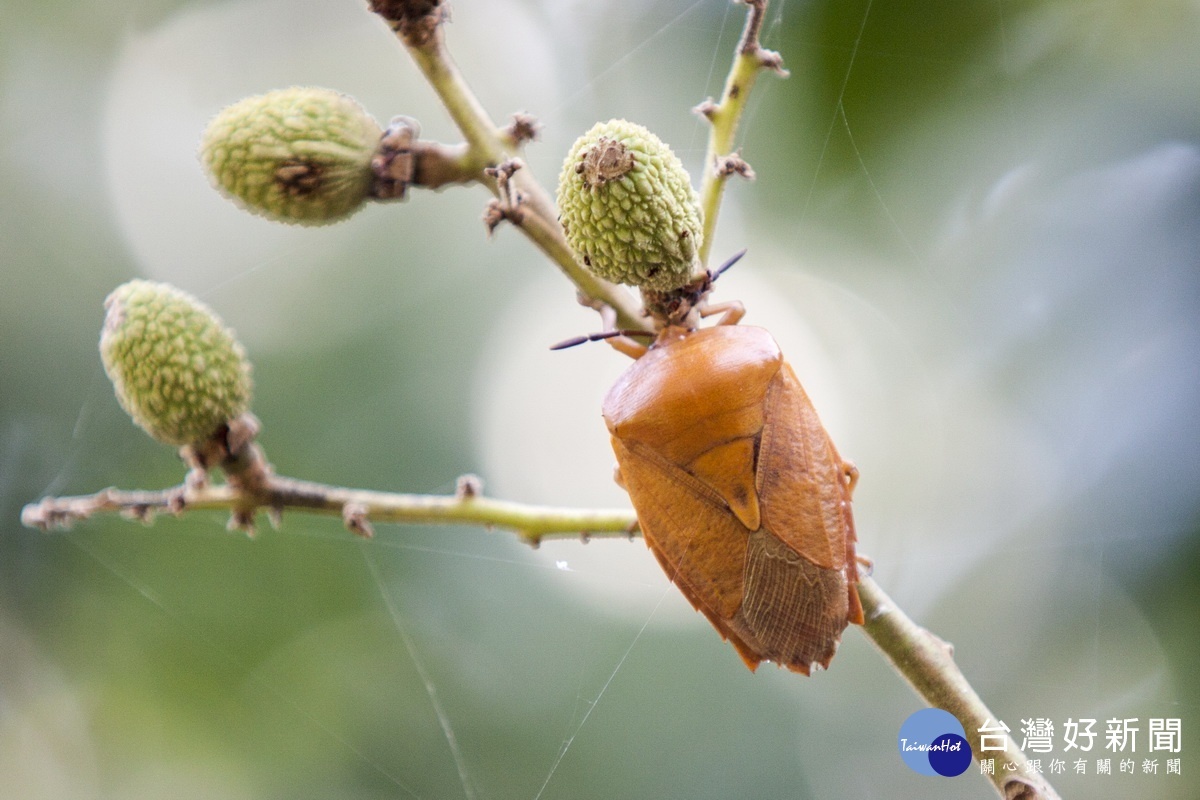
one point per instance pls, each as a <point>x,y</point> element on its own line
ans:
<point>294,155</point>
<point>628,208</point>
<point>178,371</point>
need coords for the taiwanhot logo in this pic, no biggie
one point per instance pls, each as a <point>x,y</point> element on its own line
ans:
<point>933,742</point>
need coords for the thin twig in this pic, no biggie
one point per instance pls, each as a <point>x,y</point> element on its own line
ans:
<point>490,146</point>
<point>927,663</point>
<point>749,59</point>
<point>252,486</point>
<point>923,659</point>
<point>358,508</point>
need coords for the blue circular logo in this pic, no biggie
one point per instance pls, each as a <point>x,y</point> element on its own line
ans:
<point>933,742</point>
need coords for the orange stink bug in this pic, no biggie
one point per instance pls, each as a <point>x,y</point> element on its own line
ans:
<point>739,491</point>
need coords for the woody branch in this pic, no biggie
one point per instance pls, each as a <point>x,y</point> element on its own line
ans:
<point>358,509</point>
<point>922,658</point>
<point>720,159</point>
<point>420,27</point>
<point>252,487</point>
<point>925,661</point>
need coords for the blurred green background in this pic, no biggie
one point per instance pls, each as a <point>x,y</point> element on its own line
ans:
<point>974,232</point>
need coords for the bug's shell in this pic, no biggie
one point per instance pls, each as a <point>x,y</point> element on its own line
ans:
<point>739,491</point>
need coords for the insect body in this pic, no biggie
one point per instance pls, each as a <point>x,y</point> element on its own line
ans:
<point>739,491</point>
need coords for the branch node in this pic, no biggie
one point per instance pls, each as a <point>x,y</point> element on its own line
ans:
<point>733,164</point>
<point>707,109</point>
<point>242,519</point>
<point>508,205</point>
<point>524,128</point>
<point>394,163</point>
<point>140,512</point>
<point>493,215</point>
<point>947,647</point>
<point>176,501</point>
<point>468,487</point>
<point>770,59</point>
<point>354,517</point>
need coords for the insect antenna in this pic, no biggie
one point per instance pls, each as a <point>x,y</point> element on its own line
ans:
<point>596,337</point>
<point>733,259</point>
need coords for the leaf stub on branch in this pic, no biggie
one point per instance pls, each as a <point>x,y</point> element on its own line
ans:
<point>769,59</point>
<point>508,204</point>
<point>524,128</point>
<point>706,108</point>
<point>734,164</point>
<point>468,487</point>
<point>354,516</point>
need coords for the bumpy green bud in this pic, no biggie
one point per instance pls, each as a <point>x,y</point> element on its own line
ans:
<point>628,208</point>
<point>294,155</point>
<point>178,371</point>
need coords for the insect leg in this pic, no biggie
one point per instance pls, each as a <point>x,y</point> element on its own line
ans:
<point>630,347</point>
<point>731,312</point>
<point>850,473</point>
